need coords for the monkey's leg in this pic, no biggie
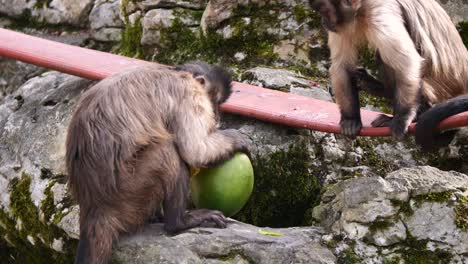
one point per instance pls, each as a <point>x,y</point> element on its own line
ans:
<point>344,56</point>
<point>399,54</point>
<point>176,218</point>
<point>347,97</point>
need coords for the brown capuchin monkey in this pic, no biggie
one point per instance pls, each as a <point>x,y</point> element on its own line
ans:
<point>422,58</point>
<point>131,142</point>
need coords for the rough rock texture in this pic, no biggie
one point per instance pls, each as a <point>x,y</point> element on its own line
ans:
<point>408,206</point>
<point>457,9</point>
<point>285,80</point>
<point>105,20</point>
<point>66,11</point>
<point>239,243</point>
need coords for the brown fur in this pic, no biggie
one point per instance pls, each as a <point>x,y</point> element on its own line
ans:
<point>130,144</point>
<point>418,44</point>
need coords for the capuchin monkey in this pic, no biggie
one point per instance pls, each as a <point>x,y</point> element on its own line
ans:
<point>131,142</point>
<point>423,62</point>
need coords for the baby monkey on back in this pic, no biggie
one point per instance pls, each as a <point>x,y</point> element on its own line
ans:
<point>131,143</point>
<point>422,59</point>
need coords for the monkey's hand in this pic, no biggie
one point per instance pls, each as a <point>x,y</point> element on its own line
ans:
<point>350,127</point>
<point>241,143</point>
<point>207,218</point>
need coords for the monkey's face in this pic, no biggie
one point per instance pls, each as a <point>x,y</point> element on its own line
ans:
<point>335,13</point>
<point>217,91</point>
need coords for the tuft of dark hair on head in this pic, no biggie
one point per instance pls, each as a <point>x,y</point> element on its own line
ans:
<point>214,73</point>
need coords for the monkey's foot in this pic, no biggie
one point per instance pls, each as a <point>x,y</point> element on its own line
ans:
<point>206,218</point>
<point>399,128</point>
<point>382,121</point>
<point>350,127</point>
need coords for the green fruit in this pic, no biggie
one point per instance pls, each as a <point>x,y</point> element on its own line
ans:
<point>226,187</point>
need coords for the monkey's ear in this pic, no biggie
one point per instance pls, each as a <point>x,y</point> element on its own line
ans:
<point>201,79</point>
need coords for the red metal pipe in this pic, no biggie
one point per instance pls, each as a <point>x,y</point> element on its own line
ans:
<point>247,100</point>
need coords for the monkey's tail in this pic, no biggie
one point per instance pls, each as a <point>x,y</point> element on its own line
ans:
<point>96,239</point>
<point>426,135</point>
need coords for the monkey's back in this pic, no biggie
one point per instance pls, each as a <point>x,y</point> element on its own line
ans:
<point>115,119</point>
<point>440,45</point>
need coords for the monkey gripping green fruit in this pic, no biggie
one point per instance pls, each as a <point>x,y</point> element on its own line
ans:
<point>226,187</point>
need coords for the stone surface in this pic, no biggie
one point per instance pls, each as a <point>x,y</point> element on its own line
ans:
<point>284,80</point>
<point>387,212</point>
<point>150,4</point>
<point>15,8</point>
<point>457,9</point>
<point>105,14</point>
<point>156,19</point>
<point>239,243</point>
<point>66,12</point>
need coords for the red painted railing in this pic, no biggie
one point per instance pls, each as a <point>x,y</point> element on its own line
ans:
<point>247,100</point>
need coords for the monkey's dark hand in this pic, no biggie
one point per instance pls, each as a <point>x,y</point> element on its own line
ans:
<point>241,143</point>
<point>382,121</point>
<point>350,127</point>
<point>208,218</point>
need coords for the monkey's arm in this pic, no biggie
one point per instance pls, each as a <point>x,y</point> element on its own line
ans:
<point>344,59</point>
<point>200,144</point>
<point>398,52</point>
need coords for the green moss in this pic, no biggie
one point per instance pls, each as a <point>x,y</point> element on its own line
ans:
<point>371,158</point>
<point>179,43</point>
<point>42,3</point>
<point>230,256</point>
<point>24,222</point>
<point>438,197</point>
<point>404,207</point>
<point>380,225</point>
<point>416,252</point>
<point>463,30</point>
<point>461,213</point>
<point>393,260</point>
<point>130,44</point>
<point>348,256</point>
<point>47,205</point>
<point>285,188</point>
<point>302,14</point>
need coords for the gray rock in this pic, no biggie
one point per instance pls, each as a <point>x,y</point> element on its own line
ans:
<point>354,207</point>
<point>151,4</point>
<point>457,9</point>
<point>156,19</point>
<point>14,74</point>
<point>389,236</point>
<point>15,8</point>
<point>277,79</point>
<point>436,222</point>
<point>239,243</point>
<point>66,12</point>
<point>107,34</point>
<point>425,179</point>
<point>105,14</point>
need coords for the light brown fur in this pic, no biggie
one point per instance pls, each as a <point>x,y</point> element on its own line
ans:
<point>414,38</point>
<point>131,142</point>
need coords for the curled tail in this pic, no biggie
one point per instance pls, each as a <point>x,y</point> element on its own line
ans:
<point>426,135</point>
<point>96,238</point>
